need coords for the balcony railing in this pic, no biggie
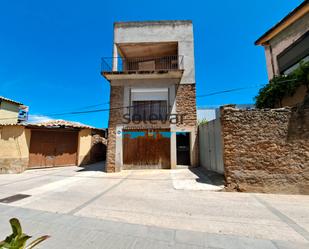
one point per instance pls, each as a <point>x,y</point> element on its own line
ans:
<point>142,64</point>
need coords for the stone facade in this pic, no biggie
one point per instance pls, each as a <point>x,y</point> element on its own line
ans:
<point>115,117</point>
<point>186,104</point>
<point>266,150</point>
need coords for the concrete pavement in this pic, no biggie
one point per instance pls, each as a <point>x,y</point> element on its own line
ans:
<point>145,209</point>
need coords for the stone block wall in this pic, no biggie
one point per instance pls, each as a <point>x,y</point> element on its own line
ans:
<point>186,104</point>
<point>266,150</point>
<point>115,118</point>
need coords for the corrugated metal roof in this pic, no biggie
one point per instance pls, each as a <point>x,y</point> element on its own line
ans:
<point>10,100</point>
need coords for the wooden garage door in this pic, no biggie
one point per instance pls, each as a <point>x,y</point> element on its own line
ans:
<point>146,149</point>
<point>52,148</point>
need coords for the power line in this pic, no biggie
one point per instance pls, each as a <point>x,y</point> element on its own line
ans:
<point>122,107</point>
<point>225,91</point>
<point>239,89</point>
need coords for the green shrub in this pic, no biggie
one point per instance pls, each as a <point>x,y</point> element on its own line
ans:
<point>17,240</point>
<point>203,121</point>
<point>272,94</point>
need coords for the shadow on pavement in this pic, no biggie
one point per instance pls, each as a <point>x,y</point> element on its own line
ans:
<point>207,176</point>
<point>99,166</point>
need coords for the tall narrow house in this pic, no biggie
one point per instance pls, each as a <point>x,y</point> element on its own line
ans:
<point>152,119</point>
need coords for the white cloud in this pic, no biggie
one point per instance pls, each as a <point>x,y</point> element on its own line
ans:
<point>38,118</point>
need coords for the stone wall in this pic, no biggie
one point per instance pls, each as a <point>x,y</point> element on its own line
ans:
<point>266,150</point>
<point>296,98</point>
<point>186,104</point>
<point>115,118</point>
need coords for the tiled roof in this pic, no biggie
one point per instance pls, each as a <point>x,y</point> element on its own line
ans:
<point>10,100</point>
<point>12,124</point>
<point>61,123</point>
<point>54,124</point>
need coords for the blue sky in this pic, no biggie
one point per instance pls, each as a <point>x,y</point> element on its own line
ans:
<point>50,50</point>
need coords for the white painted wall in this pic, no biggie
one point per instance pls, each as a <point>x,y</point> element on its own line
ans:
<point>161,31</point>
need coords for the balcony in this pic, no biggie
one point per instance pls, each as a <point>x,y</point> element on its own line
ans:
<point>114,68</point>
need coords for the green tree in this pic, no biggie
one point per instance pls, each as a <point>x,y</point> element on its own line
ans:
<point>280,86</point>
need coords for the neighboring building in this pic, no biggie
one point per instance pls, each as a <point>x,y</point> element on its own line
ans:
<point>9,111</point>
<point>209,113</point>
<point>151,77</point>
<point>49,144</point>
<point>206,113</point>
<point>286,45</point>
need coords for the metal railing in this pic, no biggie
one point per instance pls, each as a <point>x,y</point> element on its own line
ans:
<point>142,64</point>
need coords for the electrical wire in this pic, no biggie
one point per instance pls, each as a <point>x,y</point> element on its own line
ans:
<point>122,107</point>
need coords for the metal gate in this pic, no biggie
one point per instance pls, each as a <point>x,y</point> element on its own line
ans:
<point>210,146</point>
<point>146,149</point>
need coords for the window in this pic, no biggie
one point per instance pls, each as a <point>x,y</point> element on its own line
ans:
<point>149,110</point>
<point>289,59</point>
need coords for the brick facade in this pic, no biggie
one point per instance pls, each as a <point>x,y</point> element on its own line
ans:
<point>266,150</point>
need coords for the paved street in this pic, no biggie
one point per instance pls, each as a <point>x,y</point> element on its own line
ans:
<point>86,208</point>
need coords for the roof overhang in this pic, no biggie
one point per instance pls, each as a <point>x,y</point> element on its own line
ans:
<point>137,75</point>
<point>292,17</point>
<point>147,49</point>
<point>9,100</point>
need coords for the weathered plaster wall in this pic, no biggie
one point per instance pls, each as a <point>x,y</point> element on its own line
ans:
<point>266,150</point>
<point>282,41</point>
<point>296,98</point>
<point>161,31</point>
<point>84,146</point>
<point>14,148</point>
<point>8,113</point>
<point>88,153</point>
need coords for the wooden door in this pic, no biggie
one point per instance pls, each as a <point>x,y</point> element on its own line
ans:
<point>146,149</point>
<point>52,148</point>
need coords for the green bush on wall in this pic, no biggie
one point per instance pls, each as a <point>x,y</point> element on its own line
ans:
<point>272,94</point>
